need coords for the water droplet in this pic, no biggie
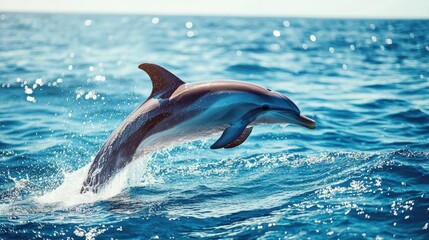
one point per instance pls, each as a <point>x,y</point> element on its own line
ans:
<point>389,41</point>
<point>238,53</point>
<point>331,50</point>
<point>87,22</point>
<point>286,23</point>
<point>155,20</point>
<point>427,48</point>
<point>345,66</point>
<point>59,80</point>
<point>79,93</point>
<point>372,26</point>
<point>3,17</point>
<point>28,90</point>
<point>70,67</point>
<point>190,34</point>
<point>313,38</point>
<point>91,68</point>
<point>382,48</point>
<point>31,99</point>
<point>39,82</point>
<point>100,78</point>
<point>276,33</point>
<point>188,24</point>
<point>374,38</point>
<point>91,95</point>
<point>18,79</point>
<point>352,47</point>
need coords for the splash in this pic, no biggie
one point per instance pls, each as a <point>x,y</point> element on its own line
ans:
<point>68,193</point>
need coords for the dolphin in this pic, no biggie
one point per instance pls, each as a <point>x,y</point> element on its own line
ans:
<point>178,112</point>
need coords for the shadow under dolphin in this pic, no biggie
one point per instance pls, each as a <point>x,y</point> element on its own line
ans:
<point>176,112</point>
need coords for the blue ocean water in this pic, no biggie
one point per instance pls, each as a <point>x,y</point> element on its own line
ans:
<point>67,81</point>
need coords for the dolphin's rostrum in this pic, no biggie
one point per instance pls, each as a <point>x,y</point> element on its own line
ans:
<point>176,112</point>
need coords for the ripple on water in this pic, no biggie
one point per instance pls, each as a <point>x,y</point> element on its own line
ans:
<point>384,103</point>
<point>247,68</point>
<point>415,116</point>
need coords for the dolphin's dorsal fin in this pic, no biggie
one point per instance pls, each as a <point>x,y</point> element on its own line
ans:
<point>164,83</point>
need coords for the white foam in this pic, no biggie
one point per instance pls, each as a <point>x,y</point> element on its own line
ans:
<point>68,193</point>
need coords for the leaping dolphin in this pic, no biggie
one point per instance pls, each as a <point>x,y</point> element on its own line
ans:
<point>176,112</point>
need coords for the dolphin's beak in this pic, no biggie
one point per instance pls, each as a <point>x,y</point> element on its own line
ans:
<point>298,119</point>
<point>305,121</point>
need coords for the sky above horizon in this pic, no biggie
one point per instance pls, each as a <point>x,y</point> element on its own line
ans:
<point>287,8</point>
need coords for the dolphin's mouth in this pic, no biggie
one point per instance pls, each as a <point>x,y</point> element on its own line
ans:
<point>305,121</point>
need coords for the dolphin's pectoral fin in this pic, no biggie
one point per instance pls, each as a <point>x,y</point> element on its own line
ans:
<point>164,83</point>
<point>241,139</point>
<point>230,134</point>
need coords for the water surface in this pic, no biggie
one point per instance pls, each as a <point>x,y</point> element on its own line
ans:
<point>67,81</point>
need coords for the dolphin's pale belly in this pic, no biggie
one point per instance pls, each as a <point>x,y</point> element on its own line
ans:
<point>186,131</point>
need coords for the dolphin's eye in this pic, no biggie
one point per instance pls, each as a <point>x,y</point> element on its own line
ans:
<point>269,89</point>
<point>265,107</point>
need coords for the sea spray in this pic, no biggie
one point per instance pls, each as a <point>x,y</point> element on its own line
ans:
<point>68,193</point>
